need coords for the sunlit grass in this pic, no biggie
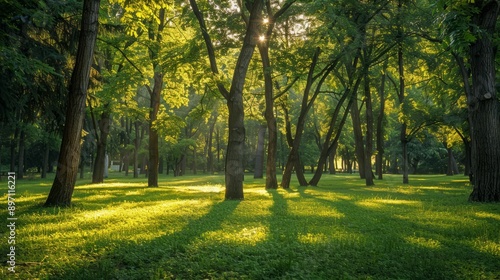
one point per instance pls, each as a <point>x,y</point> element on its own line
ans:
<point>185,230</point>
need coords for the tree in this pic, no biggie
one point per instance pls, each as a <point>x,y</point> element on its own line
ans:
<point>67,169</point>
<point>484,110</point>
<point>234,172</point>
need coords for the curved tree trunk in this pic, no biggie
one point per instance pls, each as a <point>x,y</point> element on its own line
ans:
<point>69,155</point>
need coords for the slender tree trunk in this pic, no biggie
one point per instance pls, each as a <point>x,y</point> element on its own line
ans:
<point>293,155</point>
<point>272,143</point>
<point>137,142</point>
<point>210,153</point>
<point>380,126</point>
<point>153,132</point>
<point>484,111</point>
<point>69,155</point>
<point>259,153</point>
<point>401,98</point>
<point>369,130</point>
<point>358,139</point>
<point>449,168</point>
<point>330,144</point>
<point>99,164</point>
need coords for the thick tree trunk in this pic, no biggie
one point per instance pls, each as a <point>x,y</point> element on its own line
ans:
<point>69,156</point>
<point>153,132</point>
<point>236,142</point>
<point>259,153</point>
<point>99,164</point>
<point>234,173</point>
<point>484,111</point>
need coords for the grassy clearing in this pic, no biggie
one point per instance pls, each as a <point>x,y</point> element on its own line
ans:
<point>185,230</point>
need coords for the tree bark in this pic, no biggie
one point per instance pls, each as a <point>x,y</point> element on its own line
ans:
<point>69,155</point>
<point>259,153</point>
<point>369,129</point>
<point>330,144</point>
<point>403,137</point>
<point>137,142</point>
<point>154,159</point>
<point>99,164</point>
<point>483,104</point>
<point>234,169</point>
<point>293,155</point>
<point>272,143</point>
<point>380,127</point>
<point>359,147</point>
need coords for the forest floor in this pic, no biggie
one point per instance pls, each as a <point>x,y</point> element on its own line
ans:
<point>185,230</point>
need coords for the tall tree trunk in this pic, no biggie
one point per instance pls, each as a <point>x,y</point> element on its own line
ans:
<point>369,129</point>
<point>484,111</point>
<point>358,139</point>
<point>272,143</point>
<point>69,155</point>
<point>99,164</point>
<point>380,126</point>
<point>234,169</point>
<point>401,98</point>
<point>153,132</point>
<point>259,153</point>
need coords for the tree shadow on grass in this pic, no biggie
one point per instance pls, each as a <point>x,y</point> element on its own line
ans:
<point>398,243</point>
<point>131,260</point>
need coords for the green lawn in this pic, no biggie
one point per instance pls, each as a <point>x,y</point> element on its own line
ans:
<point>185,230</point>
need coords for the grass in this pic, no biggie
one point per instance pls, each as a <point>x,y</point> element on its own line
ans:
<point>185,230</point>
